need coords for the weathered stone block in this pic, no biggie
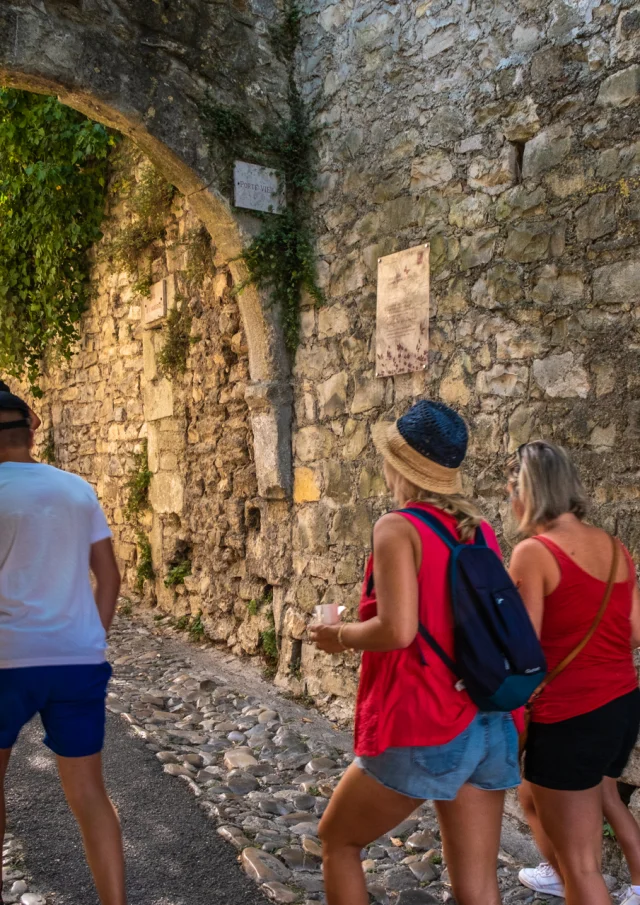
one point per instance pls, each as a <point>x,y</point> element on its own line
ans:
<point>561,376</point>
<point>337,480</point>
<point>596,218</point>
<point>503,380</point>
<point>502,285</point>
<point>352,526</point>
<point>533,243</point>
<point>603,437</point>
<point>546,150</point>
<point>306,488</point>
<point>356,435</point>
<point>477,249</point>
<point>313,443</point>
<point>515,345</point>
<point>158,400</point>
<point>371,484</point>
<point>628,35</point>
<point>431,171</point>
<point>563,287</point>
<point>523,425</point>
<point>520,202</point>
<point>332,321</point>
<point>332,395</point>
<point>621,88</point>
<point>166,493</point>
<point>306,595</point>
<point>523,121</point>
<point>494,176</point>
<point>453,389</point>
<point>369,393</point>
<point>311,529</point>
<point>617,284</point>
<point>470,212</point>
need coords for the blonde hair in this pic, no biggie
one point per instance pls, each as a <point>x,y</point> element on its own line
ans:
<point>547,484</point>
<point>466,513</point>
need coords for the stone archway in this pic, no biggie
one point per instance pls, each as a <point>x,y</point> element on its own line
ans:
<point>142,67</point>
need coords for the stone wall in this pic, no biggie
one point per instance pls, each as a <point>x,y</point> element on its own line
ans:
<point>504,134</point>
<point>112,399</point>
<point>507,136</point>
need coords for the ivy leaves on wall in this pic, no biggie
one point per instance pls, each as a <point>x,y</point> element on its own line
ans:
<point>53,174</point>
<point>281,258</point>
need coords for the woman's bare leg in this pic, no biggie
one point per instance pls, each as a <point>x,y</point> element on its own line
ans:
<point>573,823</point>
<point>624,826</point>
<point>542,840</point>
<point>360,811</point>
<point>470,828</point>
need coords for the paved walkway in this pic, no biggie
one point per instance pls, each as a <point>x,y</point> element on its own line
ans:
<point>220,783</point>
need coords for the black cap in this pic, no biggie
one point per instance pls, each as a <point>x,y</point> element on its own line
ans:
<point>4,387</point>
<point>11,403</point>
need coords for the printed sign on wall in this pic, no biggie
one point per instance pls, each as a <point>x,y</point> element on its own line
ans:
<point>258,188</point>
<point>402,327</point>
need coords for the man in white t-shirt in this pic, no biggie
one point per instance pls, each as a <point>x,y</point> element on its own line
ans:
<point>53,632</point>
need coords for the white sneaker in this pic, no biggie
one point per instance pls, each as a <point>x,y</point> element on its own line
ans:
<point>632,898</point>
<point>543,878</point>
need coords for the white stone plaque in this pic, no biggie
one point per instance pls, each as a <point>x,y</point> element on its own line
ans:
<point>258,188</point>
<point>402,328</point>
<point>155,306</point>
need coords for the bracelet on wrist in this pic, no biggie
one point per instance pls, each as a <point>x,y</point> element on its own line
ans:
<point>340,641</point>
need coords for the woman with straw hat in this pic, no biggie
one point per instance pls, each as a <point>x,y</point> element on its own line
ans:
<point>418,735</point>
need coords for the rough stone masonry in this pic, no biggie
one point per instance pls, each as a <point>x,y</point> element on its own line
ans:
<point>505,134</point>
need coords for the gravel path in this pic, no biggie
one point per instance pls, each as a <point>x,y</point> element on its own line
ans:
<point>174,855</point>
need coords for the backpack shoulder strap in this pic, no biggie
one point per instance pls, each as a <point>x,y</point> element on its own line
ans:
<point>435,524</point>
<point>596,622</point>
<point>452,543</point>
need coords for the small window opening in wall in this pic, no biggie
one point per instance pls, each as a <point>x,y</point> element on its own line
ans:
<point>253,519</point>
<point>518,146</point>
<point>295,663</point>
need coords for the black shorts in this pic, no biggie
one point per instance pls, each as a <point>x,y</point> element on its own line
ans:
<point>576,754</point>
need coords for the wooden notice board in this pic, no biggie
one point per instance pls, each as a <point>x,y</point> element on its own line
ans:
<point>402,326</point>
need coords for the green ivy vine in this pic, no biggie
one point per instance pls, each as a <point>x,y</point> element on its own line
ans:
<point>53,176</point>
<point>281,258</point>
<point>149,200</point>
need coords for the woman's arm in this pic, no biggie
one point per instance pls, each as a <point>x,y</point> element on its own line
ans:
<point>527,569</point>
<point>396,549</point>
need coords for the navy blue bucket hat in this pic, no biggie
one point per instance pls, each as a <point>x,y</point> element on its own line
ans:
<point>427,446</point>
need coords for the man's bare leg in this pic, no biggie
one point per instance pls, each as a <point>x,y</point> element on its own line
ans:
<point>83,786</point>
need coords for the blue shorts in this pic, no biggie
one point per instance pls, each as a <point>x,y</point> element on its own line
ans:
<point>69,699</point>
<point>484,755</point>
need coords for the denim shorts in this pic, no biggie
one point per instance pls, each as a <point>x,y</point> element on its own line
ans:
<point>484,755</point>
<point>69,699</point>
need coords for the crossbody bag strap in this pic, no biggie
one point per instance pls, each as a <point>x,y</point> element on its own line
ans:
<point>596,622</point>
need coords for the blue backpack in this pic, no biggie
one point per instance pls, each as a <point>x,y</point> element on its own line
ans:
<point>498,657</point>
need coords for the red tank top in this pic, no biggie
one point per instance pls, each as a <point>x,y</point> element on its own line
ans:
<point>401,701</point>
<point>604,670</point>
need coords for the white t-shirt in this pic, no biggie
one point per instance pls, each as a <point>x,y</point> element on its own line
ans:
<point>48,521</point>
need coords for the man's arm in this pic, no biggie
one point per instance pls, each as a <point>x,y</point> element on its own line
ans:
<point>105,568</point>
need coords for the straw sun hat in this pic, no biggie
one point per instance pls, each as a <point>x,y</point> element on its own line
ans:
<point>427,446</point>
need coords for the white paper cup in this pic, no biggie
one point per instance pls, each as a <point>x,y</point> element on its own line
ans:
<point>328,613</point>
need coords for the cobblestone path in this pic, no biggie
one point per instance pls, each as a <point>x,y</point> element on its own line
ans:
<point>220,782</point>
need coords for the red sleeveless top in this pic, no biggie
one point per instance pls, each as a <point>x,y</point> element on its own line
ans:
<point>604,670</point>
<point>401,701</point>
